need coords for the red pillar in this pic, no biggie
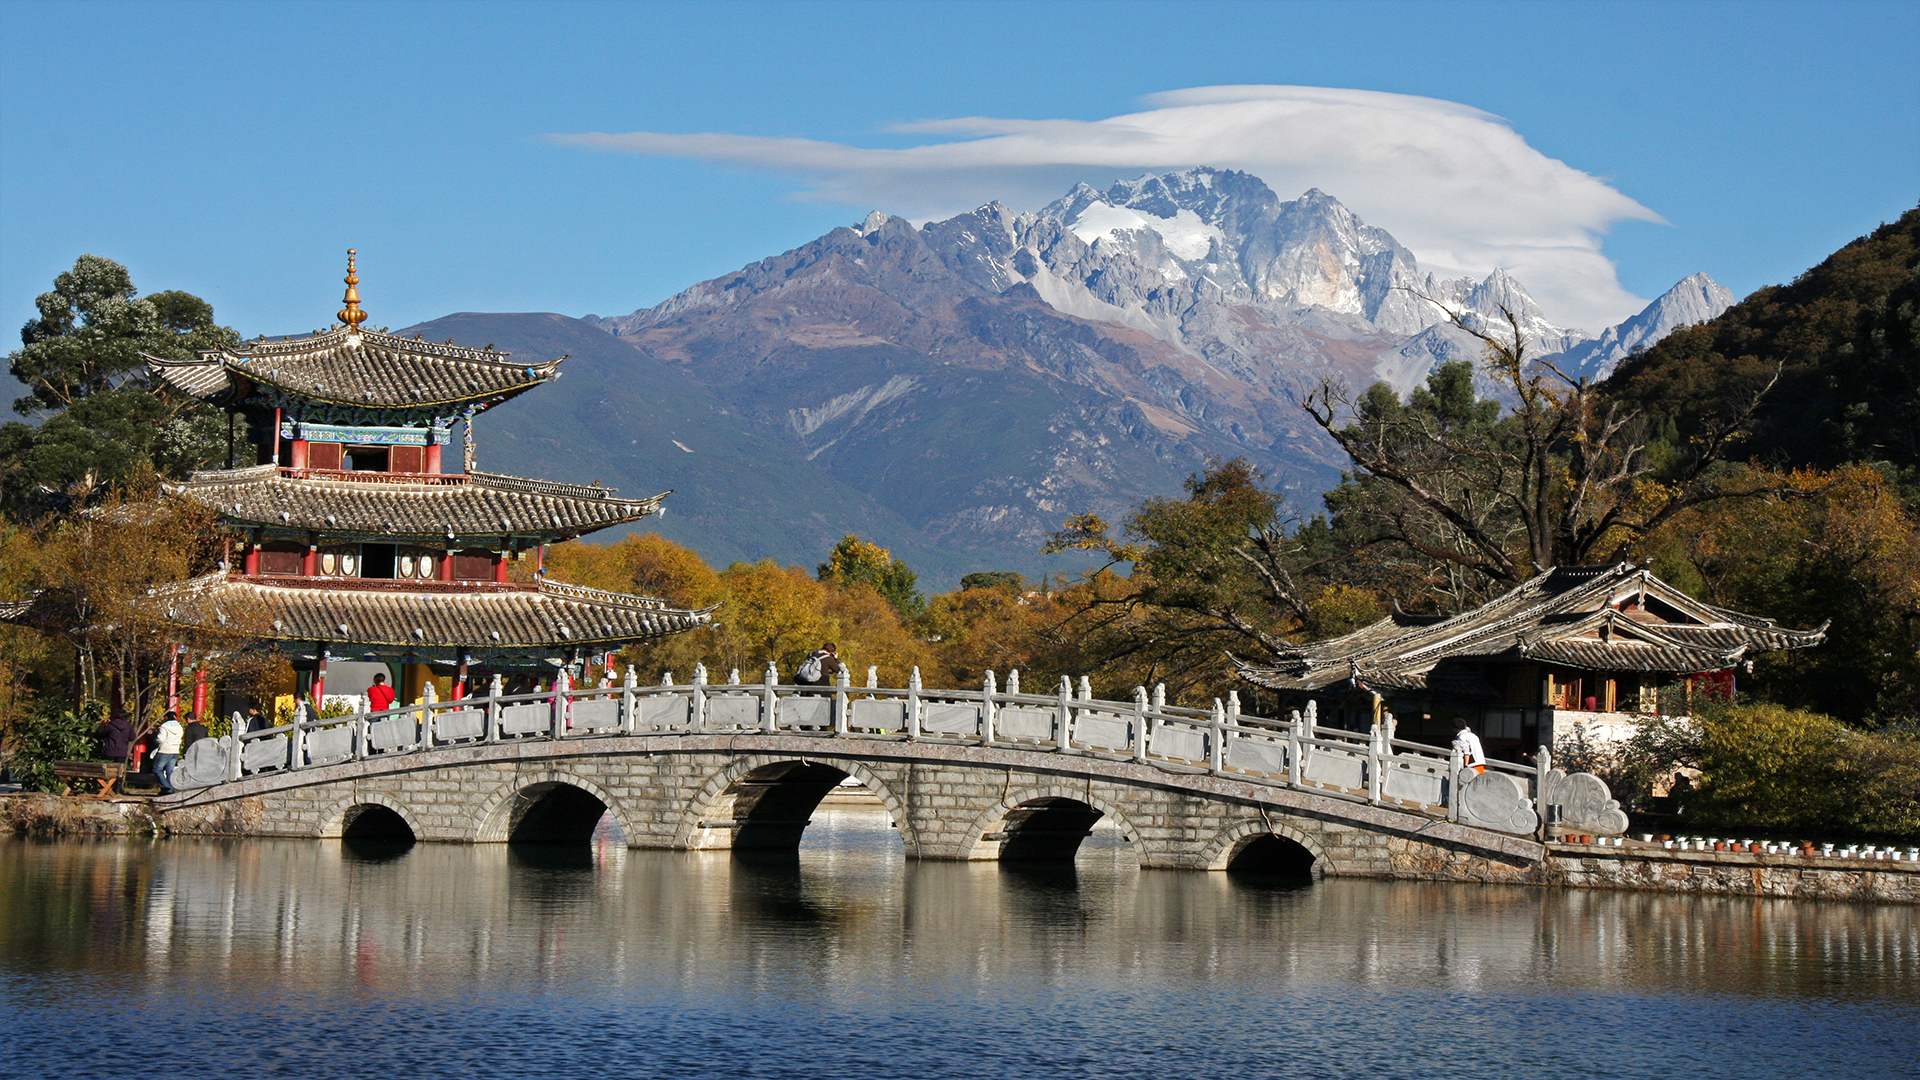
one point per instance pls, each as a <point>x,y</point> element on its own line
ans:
<point>200,693</point>
<point>433,457</point>
<point>460,680</point>
<point>253,556</point>
<point>320,678</point>
<point>500,566</point>
<point>310,565</point>
<point>299,453</point>
<point>445,569</point>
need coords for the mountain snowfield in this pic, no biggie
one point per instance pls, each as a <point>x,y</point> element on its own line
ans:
<point>979,378</point>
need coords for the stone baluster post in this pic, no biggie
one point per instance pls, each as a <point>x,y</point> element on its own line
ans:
<point>733,676</point>
<point>1542,764</point>
<point>841,683</point>
<point>873,676</point>
<point>987,690</point>
<point>236,727</point>
<point>1140,723</point>
<point>423,729</point>
<point>1295,732</point>
<point>1063,730</point>
<point>1376,761</point>
<point>629,705</point>
<point>1086,689</point>
<point>1159,712</point>
<point>494,686</point>
<point>1217,730</point>
<point>1456,767</point>
<point>769,701</point>
<point>1013,682</point>
<point>913,703</point>
<point>699,697</point>
<point>1232,729</point>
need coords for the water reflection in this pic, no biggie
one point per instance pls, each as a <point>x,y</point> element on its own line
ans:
<point>942,959</point>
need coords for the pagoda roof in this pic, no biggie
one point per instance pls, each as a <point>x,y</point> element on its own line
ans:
<point>360,369</point>
<point>1596,618</point>
<point>478,617</point>
<point>424,505</point>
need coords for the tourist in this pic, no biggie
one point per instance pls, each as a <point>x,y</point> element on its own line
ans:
<point>819,668</point>
<point>254,720</point>
<point>196,731</point>
<point>1465,741</point>
<point>166,750</point>
<point>379,695</point>
<point>115,735</point>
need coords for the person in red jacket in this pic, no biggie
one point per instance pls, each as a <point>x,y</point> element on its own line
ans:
<point>379,695</point>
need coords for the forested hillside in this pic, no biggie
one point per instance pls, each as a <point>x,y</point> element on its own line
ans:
<point>1843,336</point>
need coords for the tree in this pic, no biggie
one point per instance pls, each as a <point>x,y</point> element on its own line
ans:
<point>856,561</point>
<point>1564,479</point>
<point>101,421</point>
<point>1214,572</point>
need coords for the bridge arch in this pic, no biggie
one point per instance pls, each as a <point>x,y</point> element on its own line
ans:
<point>1045,797</point>
<point>720,796</point>
<point>337,820</point>
<point>1234,840</point>
<point>504,811</point>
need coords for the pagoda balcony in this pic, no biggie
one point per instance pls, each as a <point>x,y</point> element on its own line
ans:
<point>392,585</point>
<point>369,476</point>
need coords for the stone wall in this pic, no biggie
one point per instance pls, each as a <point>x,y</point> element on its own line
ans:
<point>1732,874</point>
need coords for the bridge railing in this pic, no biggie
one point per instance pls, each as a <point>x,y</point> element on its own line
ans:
<point>1373,766</point>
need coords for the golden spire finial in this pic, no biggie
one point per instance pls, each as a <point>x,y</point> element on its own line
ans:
<point>351,315</point>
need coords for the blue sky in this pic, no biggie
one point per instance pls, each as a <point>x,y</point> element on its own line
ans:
<point>236,150</point>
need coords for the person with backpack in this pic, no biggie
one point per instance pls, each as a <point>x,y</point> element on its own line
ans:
<point>819,668</point>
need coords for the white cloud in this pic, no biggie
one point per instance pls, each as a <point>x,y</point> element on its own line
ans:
<point>1458,186</point>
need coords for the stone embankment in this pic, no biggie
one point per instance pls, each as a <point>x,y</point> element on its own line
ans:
<point>1650,867</point>
<point>36,814</point>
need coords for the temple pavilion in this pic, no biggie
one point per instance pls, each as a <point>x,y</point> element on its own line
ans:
<point>1575,645</point>
<point>364,545</point>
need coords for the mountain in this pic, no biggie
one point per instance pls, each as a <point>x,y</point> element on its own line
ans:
<point>1697,299</point>
<point>953,391</point>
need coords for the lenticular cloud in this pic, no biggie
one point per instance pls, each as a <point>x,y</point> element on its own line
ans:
<point>1458,186</point>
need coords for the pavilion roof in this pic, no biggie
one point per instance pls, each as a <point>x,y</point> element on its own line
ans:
<point>360,369</point>
<point>480,617</point>
<point>1598,618</point>
<point>416,505</point>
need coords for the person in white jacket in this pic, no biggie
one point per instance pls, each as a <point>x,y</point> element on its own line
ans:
<point>1465,741</point>
<point>166,751</point>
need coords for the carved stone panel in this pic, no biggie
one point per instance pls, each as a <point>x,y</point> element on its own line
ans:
<point>1256,754</point>
<point>526,719</point>
<point>1179,743</point>
<point>456,724</point>
<point>1332,767</point>
<point>1494,800</point>
<point>326,745</point>
<point>599,714</point>
<point>951,719</point>
<point>204,764</point>
<point>878,715</point>
<point>1102,731</point>
<point>393,732</point>
<point>267,753</point>
<point>1418,781</point>
<point>664,712</point>
<point>733,711</point>
<point>1586,805</point>
<point>1025,722</point>
<point>813,713</point>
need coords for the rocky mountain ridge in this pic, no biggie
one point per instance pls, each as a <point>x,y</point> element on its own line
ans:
<point>986,375</point>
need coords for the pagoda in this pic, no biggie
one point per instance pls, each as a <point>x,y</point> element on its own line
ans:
<point>356,541</point>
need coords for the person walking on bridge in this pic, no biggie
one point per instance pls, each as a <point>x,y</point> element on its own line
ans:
<point>1465,741</point>
<point>819,668</point>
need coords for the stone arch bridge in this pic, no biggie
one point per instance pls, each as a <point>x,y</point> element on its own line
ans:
<point>964,774</point>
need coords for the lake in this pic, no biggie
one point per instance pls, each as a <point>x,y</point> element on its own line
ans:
<point>249,958</point>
